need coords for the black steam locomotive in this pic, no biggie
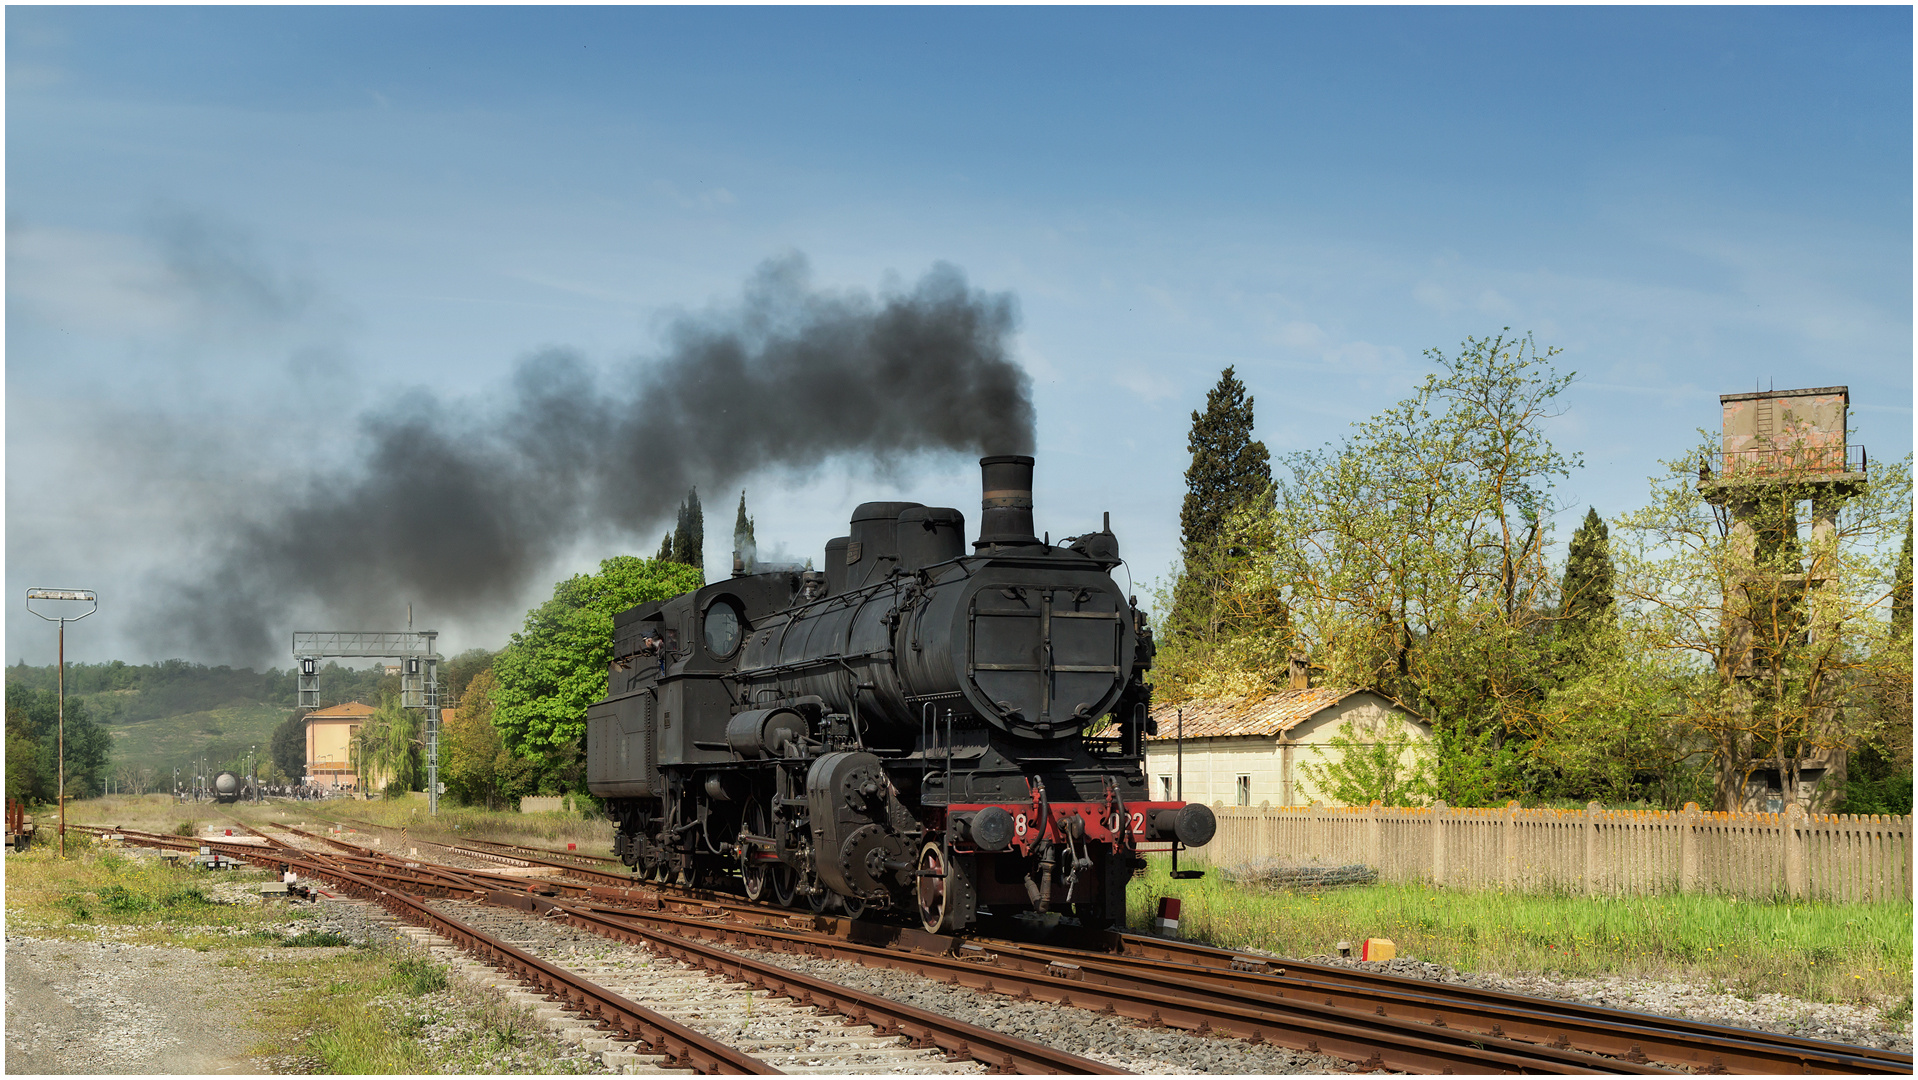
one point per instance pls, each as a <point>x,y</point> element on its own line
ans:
<point>906,729</point>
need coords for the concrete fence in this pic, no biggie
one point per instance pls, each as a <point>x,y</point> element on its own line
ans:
<point>1839,857</point>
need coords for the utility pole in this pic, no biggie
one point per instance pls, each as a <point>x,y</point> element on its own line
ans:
<point>84,596</point>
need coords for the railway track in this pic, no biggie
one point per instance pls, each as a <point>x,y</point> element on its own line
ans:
<point>1236,988</point>
<point>1368,1019</point>
<point>901,1036</point>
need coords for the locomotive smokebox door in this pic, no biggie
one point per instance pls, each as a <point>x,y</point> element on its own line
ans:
<point>1046,658</point>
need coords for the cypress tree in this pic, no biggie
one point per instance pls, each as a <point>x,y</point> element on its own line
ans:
<point>1901,589</point>
<point>689,536</point>
<point>1229,467</point>
<point>743,540</point>
<point>1586,589</point>
<point>665,549</point>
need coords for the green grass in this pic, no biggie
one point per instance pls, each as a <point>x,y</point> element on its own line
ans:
<point>1821,952</point>
<point>455,823</point>
<point>147,901</point>
<point>360,1010</point>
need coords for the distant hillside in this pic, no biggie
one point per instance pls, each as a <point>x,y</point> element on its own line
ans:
<point>175,712</point>
<point>218,736</point>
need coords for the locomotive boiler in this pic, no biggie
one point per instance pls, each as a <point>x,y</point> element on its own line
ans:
<point>912,727</point>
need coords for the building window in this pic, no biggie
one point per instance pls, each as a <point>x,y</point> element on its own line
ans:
<point>1245,790</point>
<point>1165,787</point>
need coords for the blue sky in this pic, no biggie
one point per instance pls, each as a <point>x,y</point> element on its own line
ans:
<point>234,231</point>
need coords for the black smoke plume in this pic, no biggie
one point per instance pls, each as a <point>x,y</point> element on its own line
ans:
<point>460,509</point>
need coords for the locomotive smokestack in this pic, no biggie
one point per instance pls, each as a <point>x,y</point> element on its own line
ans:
<point>1006,505</point>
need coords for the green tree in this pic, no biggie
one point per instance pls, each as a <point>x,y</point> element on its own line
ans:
<point>1413,555</point>
<point>23,755</point>
<point>1609,729</point>
<point>1229,468</point>
<point>1878,774</point>
<point>388,749</point>
<point>287,747</point>
<point>1901,587</point>
<point>689,534</point>
<point>744,543</point>
<point>1586,599</point>
<point>478,768</point>
<point>34,716</point>
<point>1228,634</point>
<point>557,664</point>
<point>1224,632</point>
<point>456,674</point>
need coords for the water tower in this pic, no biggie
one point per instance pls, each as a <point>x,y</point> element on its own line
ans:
<point>1785,460</point>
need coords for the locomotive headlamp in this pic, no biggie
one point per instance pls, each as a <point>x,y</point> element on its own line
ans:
<point>990,829</point>
<point>1192,825</point>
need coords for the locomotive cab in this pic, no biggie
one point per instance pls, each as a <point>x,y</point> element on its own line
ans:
<point>918,728</point>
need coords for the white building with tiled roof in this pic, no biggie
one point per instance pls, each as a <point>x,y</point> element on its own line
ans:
<point>1252,750</point>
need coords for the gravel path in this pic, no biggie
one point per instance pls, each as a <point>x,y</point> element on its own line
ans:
<point>109,1007</point>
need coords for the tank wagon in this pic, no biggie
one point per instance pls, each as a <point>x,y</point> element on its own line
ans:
<point>914,727</point>
<point>228,788</point>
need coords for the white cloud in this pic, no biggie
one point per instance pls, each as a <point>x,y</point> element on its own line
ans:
<point>1434,296</point>
<point>1363,356</point>
<point>1300,335</point>
<point>1492,302</point>
<point>1148,386</point>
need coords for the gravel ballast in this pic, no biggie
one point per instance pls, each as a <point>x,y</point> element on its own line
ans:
<point>1110,1040</point>
<point>1857,1025</point>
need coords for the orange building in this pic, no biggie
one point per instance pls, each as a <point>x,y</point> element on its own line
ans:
<point>329,732</point>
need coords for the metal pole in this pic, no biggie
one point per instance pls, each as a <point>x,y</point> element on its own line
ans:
<point>432,724</point>
<point>63,738</point>
<point>1178,744</point>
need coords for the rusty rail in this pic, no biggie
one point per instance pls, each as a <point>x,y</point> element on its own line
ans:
<point>1000,1052</point>
<point>681,1045</point>
<point>1680,1041</point>
<point>1364,1039</point>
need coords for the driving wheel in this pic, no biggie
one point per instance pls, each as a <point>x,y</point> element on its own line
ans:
<point>944,886</point>
<point>753,873</point>
<point>785,885</point>
<point>820,901</point>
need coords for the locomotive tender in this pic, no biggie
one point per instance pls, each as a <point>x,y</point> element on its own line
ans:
<point>904,729</point>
